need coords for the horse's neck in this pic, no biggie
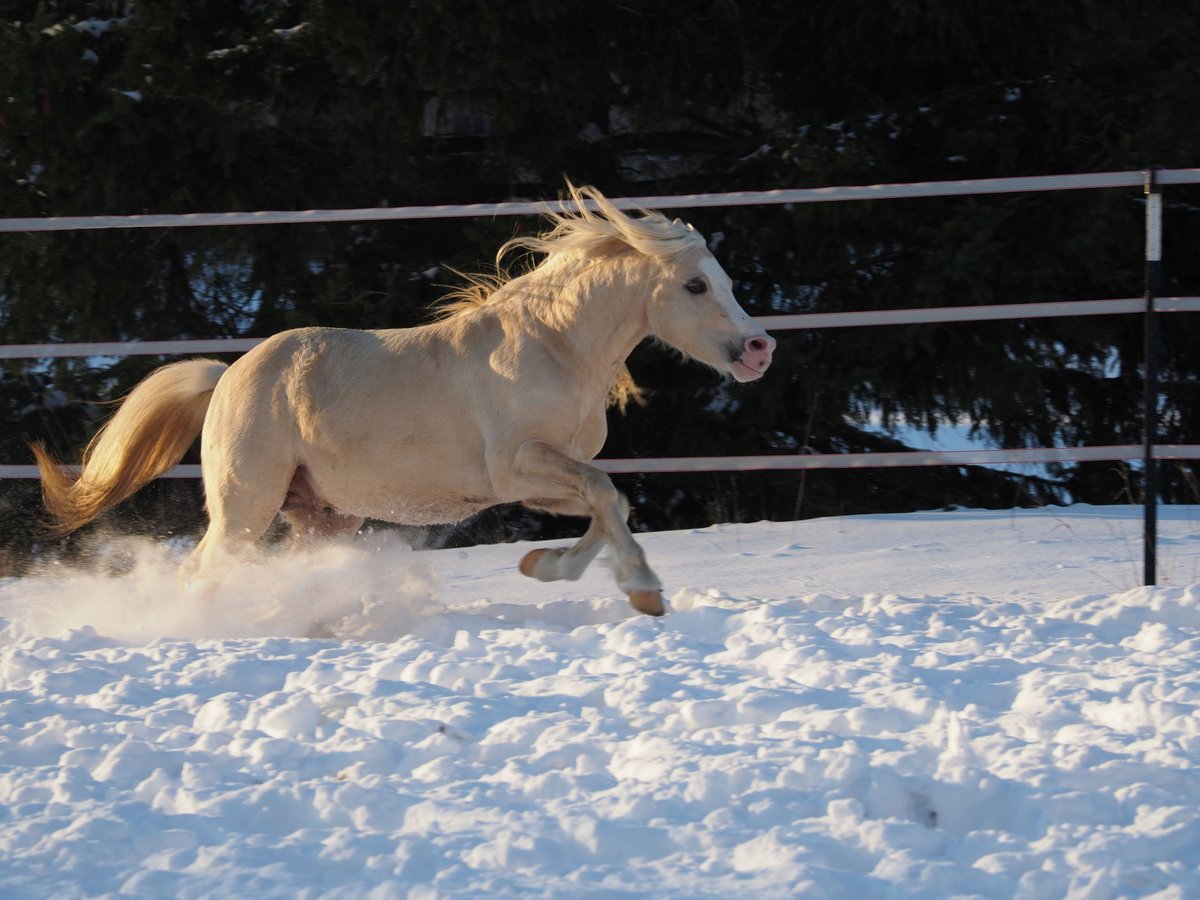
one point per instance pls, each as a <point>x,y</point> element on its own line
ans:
<point>597,309</point>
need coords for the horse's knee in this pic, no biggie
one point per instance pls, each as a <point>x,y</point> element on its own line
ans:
<point>599,491</point>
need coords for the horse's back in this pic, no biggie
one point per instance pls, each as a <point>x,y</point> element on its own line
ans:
<point>383,421</point>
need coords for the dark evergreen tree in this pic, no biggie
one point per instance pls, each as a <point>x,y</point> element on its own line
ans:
<point>192,105</point>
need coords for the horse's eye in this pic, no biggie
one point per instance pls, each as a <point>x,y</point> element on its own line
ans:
<point>696,286</point>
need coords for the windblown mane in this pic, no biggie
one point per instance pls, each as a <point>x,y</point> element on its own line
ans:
<point>593,223</point>
<point>596,221</point>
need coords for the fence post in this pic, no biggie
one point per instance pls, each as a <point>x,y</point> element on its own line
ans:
<point>1153,281</point>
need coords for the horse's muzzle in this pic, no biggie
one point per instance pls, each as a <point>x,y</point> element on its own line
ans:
<point>754,359</point>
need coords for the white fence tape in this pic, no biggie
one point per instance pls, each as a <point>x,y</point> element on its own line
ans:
<point>780,322</point>
<point>805,321</point>
<point>782,462</point>
<point>680,201</point>
<point>128,348</point>
<point>933,315</point>
<point>900,459</point>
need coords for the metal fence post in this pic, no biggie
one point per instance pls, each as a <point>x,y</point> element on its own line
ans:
<point>1153,280</point>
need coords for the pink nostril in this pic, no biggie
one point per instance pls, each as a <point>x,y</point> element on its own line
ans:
<point>756,354</point>
<point>765,344</point>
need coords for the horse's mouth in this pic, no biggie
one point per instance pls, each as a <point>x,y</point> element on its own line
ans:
<point>743,373</point>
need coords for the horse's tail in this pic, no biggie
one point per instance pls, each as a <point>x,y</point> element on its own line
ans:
<point>148,434</point>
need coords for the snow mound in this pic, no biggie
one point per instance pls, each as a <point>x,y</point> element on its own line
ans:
<point>965,703</point>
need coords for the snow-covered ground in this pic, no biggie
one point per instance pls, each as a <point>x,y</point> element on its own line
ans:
<point>954,703</point>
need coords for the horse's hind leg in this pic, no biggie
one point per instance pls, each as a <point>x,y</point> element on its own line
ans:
<point>230,537</point>
<point>233,530</point>
<point>241,503</point>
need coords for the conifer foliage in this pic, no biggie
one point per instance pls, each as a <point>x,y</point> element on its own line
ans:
<point>127,106</point>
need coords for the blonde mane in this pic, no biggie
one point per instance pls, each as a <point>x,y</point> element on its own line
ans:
<point>596,221</point>
<point>591,228</point>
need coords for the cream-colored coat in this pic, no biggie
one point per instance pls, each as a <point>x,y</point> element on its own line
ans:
<point>502,400</point>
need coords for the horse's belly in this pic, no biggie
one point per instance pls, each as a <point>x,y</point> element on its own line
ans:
<point>424,510</point>
<point>426,479</point>
<point>406,498</point>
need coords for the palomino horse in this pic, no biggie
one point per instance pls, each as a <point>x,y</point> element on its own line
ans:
<point>500,400</point>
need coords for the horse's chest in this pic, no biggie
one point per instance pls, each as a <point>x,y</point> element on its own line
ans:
<point>589,438</point>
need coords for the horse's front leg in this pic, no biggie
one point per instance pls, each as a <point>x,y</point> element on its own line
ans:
<point>568,563</point>
<point>549,479</point>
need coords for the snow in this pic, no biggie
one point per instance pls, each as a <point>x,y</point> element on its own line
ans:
<point>960,703</point>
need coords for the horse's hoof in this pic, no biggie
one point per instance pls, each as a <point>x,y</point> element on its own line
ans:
<point>529,562</point>
<point>648,602</point>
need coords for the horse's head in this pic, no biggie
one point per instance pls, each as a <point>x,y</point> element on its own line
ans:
<point>691,304</point>
<point>693,309</point>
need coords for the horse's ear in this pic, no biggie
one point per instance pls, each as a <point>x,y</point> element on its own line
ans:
<point>687,225</point>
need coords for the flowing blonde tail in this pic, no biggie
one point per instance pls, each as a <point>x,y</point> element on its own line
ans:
<point>148,434</point>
